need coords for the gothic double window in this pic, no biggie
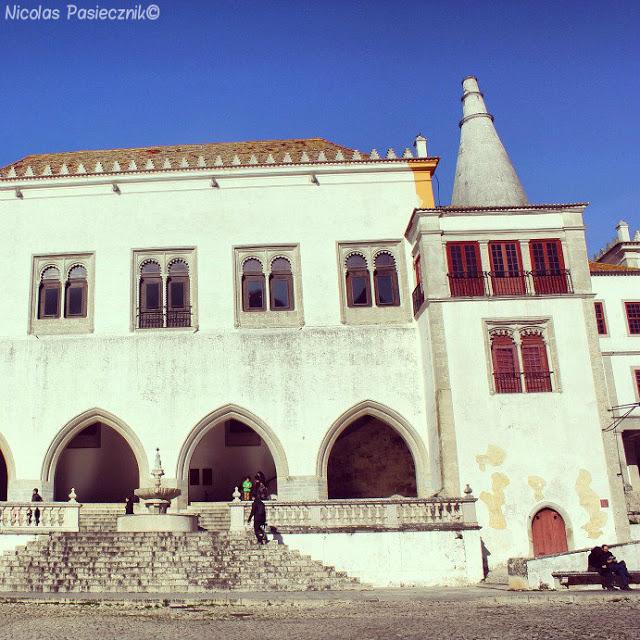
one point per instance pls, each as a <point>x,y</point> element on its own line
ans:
<point>163,290</point>
<point>358,281</point>
<point>268,289</point>
<point>520,360</point>
<point>51,301</point>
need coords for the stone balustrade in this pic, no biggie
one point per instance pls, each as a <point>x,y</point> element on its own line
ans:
<point>373,514</point>
<point>39,517</point>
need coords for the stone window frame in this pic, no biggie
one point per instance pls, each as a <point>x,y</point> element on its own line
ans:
<point>268,318</point>
<point>164,257</point>
<point>374,314</point>
<point>516,328</point>
<point>62,325</point>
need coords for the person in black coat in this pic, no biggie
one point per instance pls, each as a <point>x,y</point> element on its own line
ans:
<point>259,515</point>
<point>604,562</point>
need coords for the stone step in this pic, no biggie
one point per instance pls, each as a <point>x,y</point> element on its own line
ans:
<point>154,562</point>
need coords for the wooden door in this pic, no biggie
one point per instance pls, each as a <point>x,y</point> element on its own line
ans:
<point>549,533</point>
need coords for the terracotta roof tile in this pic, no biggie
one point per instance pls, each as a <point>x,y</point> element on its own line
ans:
<point>603,268</point>
<point>180,157</point>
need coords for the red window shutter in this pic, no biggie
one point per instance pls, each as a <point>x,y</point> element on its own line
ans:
<point>537,376</point>
<point>465,273</point>
<point>507,277</point>
<point>600,319</point>
<point>505,365</point>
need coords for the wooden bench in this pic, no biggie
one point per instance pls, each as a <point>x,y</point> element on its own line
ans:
<point>570,578</point>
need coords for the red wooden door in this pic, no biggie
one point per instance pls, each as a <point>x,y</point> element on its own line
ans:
<point>549,533</point>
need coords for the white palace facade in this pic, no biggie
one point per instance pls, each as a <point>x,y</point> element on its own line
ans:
<point>303,309</point>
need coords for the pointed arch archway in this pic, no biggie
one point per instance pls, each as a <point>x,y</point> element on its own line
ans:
<point>391,419</point>
<point>7,468</point>
<point>225,414</point>
<point>77,425</point>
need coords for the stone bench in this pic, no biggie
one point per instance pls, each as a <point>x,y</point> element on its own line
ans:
<point>569,578</point>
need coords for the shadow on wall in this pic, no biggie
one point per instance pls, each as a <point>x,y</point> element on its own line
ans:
<point>370,460</point>
<point>99,464</point>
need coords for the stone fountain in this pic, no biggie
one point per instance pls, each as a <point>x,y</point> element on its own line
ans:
<point>157,500</point>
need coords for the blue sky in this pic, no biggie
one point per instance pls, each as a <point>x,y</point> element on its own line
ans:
<point>561,77</point>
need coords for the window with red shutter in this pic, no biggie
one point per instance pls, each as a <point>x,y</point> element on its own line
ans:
<point>507,276</point>
<point>465,273</point>
<point>600,319</point>
<point>637,374</point>
<point>535,364</point>
<point>506,369</point>
<point>633,317</point>
<point>549,274</point>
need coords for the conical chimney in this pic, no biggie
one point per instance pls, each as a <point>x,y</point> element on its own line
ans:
<point>484,174</point>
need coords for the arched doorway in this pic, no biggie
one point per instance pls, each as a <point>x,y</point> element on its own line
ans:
<point>227,453</point>
<point>548,533</point>
<point>99,463</point>
<point>370,459</point>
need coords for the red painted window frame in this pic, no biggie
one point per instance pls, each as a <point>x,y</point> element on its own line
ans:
<point>513,282</point>
<point>506,379</point>
<point>601,320</point>
<point>547,277</point>
<point>633,323</point>
<point>535,364</point>
<point>466,281</point>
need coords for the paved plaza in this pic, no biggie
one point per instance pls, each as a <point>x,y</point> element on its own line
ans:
<point>443,614</point>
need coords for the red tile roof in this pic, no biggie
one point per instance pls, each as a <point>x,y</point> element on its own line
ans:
<point>605,269</point>
<point>181,156</point>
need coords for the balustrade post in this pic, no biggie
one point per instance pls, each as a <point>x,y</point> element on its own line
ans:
<point>392,519</point>
<point>236,516</point>
<point>315,515</point>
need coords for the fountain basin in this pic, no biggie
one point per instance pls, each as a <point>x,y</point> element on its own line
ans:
<point>157,493</point>
<point>146,522</point>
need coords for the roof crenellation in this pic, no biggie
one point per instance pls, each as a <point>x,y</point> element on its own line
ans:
<point>189,156</point>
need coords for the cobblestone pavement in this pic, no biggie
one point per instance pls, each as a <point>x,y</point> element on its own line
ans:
<point>470,618</point>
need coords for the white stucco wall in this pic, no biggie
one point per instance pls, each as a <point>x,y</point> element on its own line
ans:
<point>397,558</point>
<point>549,436</point>
<point>162,383</point>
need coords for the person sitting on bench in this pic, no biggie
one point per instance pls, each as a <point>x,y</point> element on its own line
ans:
<point>604,562</point>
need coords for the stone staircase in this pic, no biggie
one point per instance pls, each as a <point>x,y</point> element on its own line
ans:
<point>162,563</point>
<point>100,516</point>
<point>212,516</point>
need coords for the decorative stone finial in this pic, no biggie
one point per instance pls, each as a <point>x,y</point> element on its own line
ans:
<point>166,164</point>
<point>468,491</point>
<point>357,155</point>
<point>64,170</point>
<point>47,171</point>
<point>374,155</point>
<point>270,159</point>
<point>236,495</point>
<point>80,168</point>
<point>116,167</point>
<point>184,163</point>
<point>339,156</point>
<point>322,157</point>
<point>484,174</point>
<point>636,236</point>
<point>149,166</point>
<point>286,157</point>
<point>407,153</point>
<point>391,154</point>
<point>12,173</point>
<point>29,172</point>
<point>201,162</point>
<point>98,168</point>
<point>73,495</point>
<point>304,157</point>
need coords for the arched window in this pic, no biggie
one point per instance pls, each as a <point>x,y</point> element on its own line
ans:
<point>506,368</point>
<point>535,364</point>
<point>358,282</point>
<point>150,296</point>
<point>49,294</point>
<point>75,297</point>
<point>253,298</point>
<point>281,285</point>
<point>178,306</point>
<point>385,280</point>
